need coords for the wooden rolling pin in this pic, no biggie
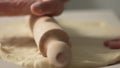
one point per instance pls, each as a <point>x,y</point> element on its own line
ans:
<point>52,41</point>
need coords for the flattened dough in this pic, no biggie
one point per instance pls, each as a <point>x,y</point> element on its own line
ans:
<point>17,44</point>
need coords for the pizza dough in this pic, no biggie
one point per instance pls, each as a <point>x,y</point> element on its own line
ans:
<point>17,44</point>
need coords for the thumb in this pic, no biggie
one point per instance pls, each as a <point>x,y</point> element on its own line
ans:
<point>47,7</point>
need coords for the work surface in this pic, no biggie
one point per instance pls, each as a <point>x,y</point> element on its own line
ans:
<point>87,31</point>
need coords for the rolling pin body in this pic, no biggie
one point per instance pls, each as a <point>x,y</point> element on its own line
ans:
<point>52,41</point>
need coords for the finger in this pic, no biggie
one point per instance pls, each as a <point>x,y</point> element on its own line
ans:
<point>59,9</point>
<point>51,7</point>
<point>112,44</point>
<point>106,43</point>
<point>35,9</point>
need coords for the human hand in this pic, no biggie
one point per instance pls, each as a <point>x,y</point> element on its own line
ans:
<point>48,7</point>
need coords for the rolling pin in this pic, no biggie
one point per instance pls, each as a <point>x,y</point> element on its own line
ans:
<point>52,41</point>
